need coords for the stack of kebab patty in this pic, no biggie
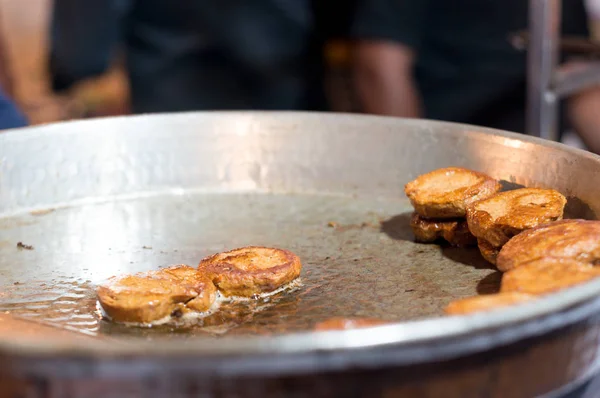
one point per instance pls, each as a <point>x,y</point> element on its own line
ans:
<point>490,217</point>
<point>520,231</point>
<point>440,199</point>
<point>539,261</point>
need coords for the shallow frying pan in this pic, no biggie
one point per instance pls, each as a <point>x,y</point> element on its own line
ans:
<point>90,199</point>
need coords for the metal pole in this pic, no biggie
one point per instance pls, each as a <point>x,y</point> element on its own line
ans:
<point>542,59</point>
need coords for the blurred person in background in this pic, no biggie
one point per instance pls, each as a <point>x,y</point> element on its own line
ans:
<point>453,61</point>
<point>194,55</point>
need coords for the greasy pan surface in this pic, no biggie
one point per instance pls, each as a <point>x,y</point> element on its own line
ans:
<point>110,196</point>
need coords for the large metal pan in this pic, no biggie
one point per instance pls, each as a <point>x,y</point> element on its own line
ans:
<point>102,197</point>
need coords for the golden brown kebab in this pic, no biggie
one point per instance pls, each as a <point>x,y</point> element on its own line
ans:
<point>454,231</point>
<point>547,275</point>
<point>495,220</point>
<point>340,323</point>
<point>488,252</point>
<point>157,296</point>
<point>486,302</point>
<point>440,199</point>
<point>445,193</point>
<point>578,240</point>
<point>251,270</point>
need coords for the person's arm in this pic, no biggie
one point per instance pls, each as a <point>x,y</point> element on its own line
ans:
<point>388,36</point>
<point>583,110</point>
<point>383,77</point>
<point>84,37</point>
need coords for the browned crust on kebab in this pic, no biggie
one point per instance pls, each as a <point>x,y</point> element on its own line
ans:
<point>547,275</point>
<point>445,193</point>
<point>455,232</point>
<point>488,252</point>
<point>251,270</point>
<point>578,240</point>
<point>506,214</point>
<point>486,302</point>
<point>339,323</point>
<point>151,296</point>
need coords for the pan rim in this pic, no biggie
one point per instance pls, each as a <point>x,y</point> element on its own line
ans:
<point>469,129</point>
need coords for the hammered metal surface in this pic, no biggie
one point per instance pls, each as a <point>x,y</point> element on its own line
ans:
<point>89,196</point>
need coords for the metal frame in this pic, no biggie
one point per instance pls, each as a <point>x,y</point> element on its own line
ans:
<point>546,82</point>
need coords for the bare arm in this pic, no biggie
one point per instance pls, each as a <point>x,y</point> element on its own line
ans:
<point>584,114</point>
<point>383,77</point>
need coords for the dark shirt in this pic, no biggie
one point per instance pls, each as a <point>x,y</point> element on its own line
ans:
<point>466,69</point>
<point>192,55</point>
<point>10,116</point>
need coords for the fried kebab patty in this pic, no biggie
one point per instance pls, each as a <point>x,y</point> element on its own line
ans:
<point>578,240</point>
<point>251,270</point>
<point>446,193</point>
<point>487,250</point>
<point>547,275</point>
<point>339,323</point>
<point>455,232</point>
<point>506,214</point>
<point>151,296</point>
<point>486,302</point>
